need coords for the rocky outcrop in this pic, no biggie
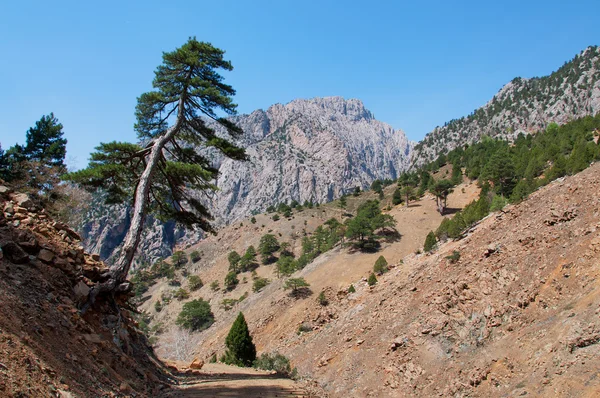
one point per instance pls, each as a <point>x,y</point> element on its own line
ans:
<point>48,347</point>
<point>523,106</point>
<point>307,150</point>
<point>104,228</point>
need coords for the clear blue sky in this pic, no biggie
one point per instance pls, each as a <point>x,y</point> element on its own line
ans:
<point>415,65</point>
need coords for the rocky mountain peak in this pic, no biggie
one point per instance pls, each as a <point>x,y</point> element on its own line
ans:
<point>336,106</point>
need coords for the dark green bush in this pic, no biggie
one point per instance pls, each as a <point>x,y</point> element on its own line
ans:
<point>196,315</point>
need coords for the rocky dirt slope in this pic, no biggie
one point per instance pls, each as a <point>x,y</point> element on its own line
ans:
<point>523,106</point>
<point>47,347</point>
<point>518,314</point>
<point>331,271</point>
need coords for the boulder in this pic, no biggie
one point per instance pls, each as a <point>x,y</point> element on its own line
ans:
<point>197,364</point>
<point>45,255</point>
<point>4,190</point>
<point>23,200</point>
<point>13,252</point>
<point>81,291</point>
<point>9,208</point>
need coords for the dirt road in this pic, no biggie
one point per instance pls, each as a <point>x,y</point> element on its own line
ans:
<point>218,380</point>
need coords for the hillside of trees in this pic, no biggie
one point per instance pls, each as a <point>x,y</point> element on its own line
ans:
<point>523,105</point>
<point>509,172</point>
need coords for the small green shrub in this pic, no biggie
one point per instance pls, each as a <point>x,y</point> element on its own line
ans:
<point>195,256</point>
<point>181,294</point>
<point>295,284</point>
<point>231,281</point>
<point>498,203</point>
<point>196,315</point>
<point>381,266</point>
<point>304,328</point>
<point>277,362</point>
<point>259,284</point>
<point>430,242</point>
<point>322,300</point>
<point>372,279</point>
<point>179,259</point>
<point>194,282</point>
<point>454,257</point>
<point>228,304</point>
<point>351,289</point>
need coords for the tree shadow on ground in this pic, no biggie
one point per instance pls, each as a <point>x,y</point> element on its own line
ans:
<point>390,235</point>
<point>186,379</point>
<point>301,292</point>
<point>368,246</point>
<point>451,210</point>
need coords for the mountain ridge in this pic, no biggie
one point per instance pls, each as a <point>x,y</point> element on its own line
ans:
<point>524,105</point>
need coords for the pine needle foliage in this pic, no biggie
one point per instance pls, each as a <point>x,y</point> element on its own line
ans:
<point>196,315</point>
<point>372,279</point>
<point>240,348</point>
<point>179,133</point>
<point>381,266</point>
<point>188,91</point>
<point>430,242</point>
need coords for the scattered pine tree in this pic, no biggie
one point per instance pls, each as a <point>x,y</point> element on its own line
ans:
<point>372,279</point>
<point>381,266</point>
<point>430,242</point>
<point>240,348</point>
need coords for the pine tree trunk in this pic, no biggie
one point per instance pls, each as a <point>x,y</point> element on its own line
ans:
<point>142,192</point>
<point>119,271</point>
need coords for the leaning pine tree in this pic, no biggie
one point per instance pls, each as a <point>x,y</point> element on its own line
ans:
<point>172,122</point>
<point>240,348</point>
